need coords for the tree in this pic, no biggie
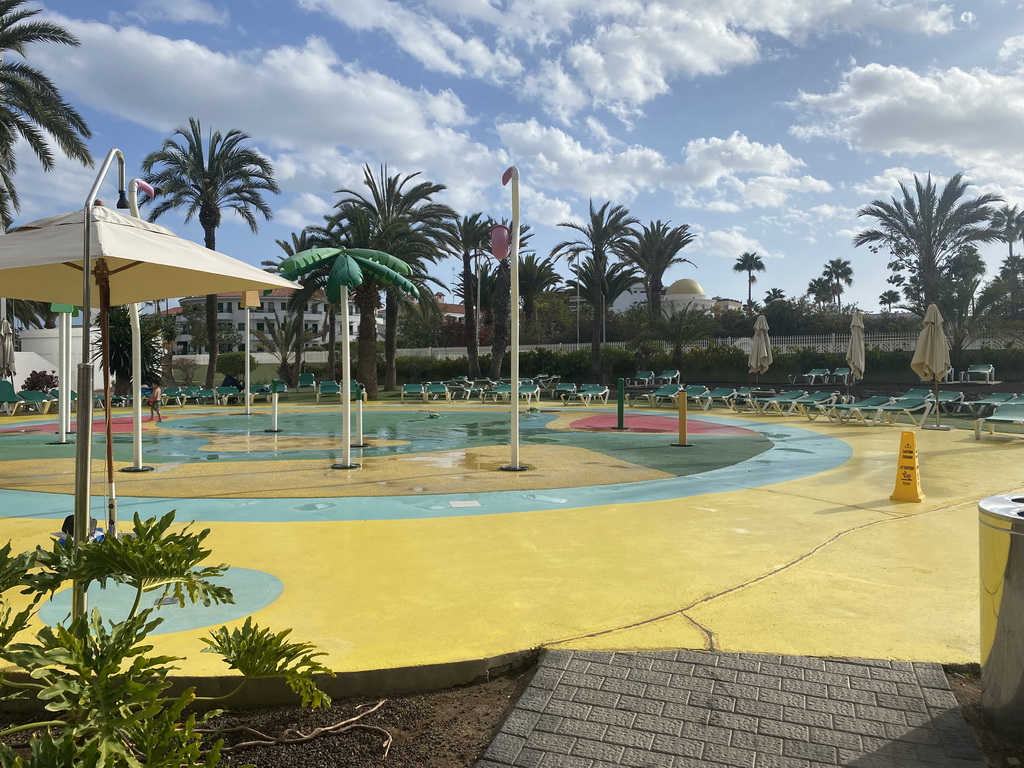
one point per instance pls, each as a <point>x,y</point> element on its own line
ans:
<point>535,278</point>
<point>1009,221</point>
<point>654,250</point>
<point>405,222</point>
<point>685,326</point>
<point>311,283</point>
<point>750,263</point>
<point>924,230</point>
<point>839,273</point>
<point>607,284</point>
<point>204,181</point>
<point>32,109</point>
<point>607,232</point>
<point>888,299</point>
<point>775,294</point>
<point>280,339</point>
<point>195,325</point>
<point>120,339</point>
<point>820,290</point>
<point>468,238</point>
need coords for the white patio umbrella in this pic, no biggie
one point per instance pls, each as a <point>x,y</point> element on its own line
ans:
<point>855,351</point>
<point>931,356</point>
<point>132,261</point>
<point>760,357</point>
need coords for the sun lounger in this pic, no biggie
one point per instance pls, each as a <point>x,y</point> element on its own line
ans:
<point>843,412</point>
<point>9,398</point>
<point>840,376</point>
<point>670,376</point>
<point>1009,413</point>
<point>562,388</point>
<point>722,394</point>
<point>225,395</point>
<point>307,381</point>
<point>37,400</point>
<point>667,392</point>
<point>327,389</point>
<point>985,373</point>
<point>808,404</point>
<point>641,379</point>
<point>949,401</point>
<point>813,376</point>
<point>766,403</point>
<point>586,393</point>
<point>172,393</point>
<point>989,403</point>
<point>437,391</point>
<point>907,406</point>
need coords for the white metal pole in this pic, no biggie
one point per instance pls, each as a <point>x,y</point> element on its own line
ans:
<point>346,388</point>
<point>513,175</point>
<point>64,376</point>
<point>133,311</point>
<point>247,385</point>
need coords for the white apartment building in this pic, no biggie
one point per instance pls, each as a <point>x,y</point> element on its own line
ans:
<point>263,317</point>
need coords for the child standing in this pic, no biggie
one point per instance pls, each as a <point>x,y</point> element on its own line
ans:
<point>155,399</point>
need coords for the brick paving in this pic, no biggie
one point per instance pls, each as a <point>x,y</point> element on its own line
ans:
<point>676,709</point>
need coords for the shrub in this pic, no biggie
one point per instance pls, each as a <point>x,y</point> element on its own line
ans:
<point>233,363</point>
<point>185,366</point>
<point>41,381</point>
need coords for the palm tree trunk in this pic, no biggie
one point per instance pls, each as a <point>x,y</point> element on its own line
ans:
<point>501,309</point>
<point>390,338</point>
<point>469,302</point>
<point>366,356</point>
<point>595,338</point>
<point>211,338</point>
<point>654,297</point>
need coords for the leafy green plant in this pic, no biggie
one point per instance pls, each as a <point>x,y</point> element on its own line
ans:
<point>104,691</point>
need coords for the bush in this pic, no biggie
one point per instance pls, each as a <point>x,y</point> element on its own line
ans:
<point>185,366</point>
<point>233,363</point>
<point>41,381</point>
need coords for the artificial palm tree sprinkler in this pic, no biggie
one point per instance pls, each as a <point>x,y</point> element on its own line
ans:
<point>347,272</point>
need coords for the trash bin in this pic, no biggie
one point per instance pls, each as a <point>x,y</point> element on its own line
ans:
<point>1001,541</point>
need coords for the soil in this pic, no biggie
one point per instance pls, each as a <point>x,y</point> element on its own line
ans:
<point>965,682</point>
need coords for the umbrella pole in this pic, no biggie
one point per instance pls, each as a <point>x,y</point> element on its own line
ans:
<point>346,388</point>
<point>937,423</point>
<point>103,282</point>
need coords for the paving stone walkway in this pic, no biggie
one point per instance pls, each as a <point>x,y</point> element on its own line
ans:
<point>670,709</point>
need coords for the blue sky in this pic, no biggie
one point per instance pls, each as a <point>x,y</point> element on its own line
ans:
<point>763,124</point>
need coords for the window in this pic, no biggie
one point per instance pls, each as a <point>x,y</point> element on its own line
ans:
<point>259,326</point>
<point>241,326</point>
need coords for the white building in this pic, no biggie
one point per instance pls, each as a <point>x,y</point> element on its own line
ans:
<point>681,294</point>
<point>263,317</point>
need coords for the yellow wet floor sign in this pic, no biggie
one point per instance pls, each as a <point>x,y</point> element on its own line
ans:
<point>908,475</point>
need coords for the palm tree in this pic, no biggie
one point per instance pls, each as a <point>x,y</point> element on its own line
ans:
<point>280,338</point>
<point>204,181</point>
<point>606,233</point>
<point>682,327</point>
<point>839,273</point>
<point>655,250</point>
<point>750,263</point>
<point>535,278</point>
<point>925,229</point>
<point>1009,220</point>
<point>468,238</point>
<point>607,284</point>
<point>120,338</point>
<point>821,290</point>
<point>31,107</point>
<point>405,222</point>
<point>888,299</point>
<point>775,294</point>
<point>311,284</point>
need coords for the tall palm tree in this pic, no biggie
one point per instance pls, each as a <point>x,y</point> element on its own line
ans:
<point>655,250</point>
<point>926,228</point>
<point>775,294</point>
<point>203,181</point>
<point>31,107</point>
<point>607,285</point>
<point>1009,220</point>
<point>888,299</point>
<point>468,238</point>
<point>839,273</point>
<point>749,262</point>
<point>821,290</point>
<point>535,278</point>
<point>405,222</point>
<point>682,327</point>
<point>606,233</point>
<point>281,338</point>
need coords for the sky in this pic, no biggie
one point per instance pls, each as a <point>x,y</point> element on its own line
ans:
<point>764,125</point>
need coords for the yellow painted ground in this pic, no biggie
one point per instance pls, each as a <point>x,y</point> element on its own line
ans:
<point>825,565</point>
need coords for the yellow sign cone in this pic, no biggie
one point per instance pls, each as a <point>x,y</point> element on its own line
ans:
<point>908,474</point>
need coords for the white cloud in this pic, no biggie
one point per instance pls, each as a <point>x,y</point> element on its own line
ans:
<point>180,11</point>
<point>972,118</point>
<point>1012,48</point>
<point>729,244</point>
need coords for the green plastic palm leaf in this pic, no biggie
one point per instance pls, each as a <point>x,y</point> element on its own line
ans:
<point>306,261</point>
<point>346,273</point>
<point>390,277</point>
<point>380,257</point>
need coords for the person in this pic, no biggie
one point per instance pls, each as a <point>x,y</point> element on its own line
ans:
<point>155,399</point>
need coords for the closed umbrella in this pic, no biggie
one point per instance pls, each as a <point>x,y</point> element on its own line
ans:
<point>855,352</point>
<point>931,356</point>
<point>761,350</point>
<point>7,370</point>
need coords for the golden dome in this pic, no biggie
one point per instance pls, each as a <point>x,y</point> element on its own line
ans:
<point>685,287</point>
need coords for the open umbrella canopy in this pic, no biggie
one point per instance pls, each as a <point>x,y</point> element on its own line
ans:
<point>931,357</point>
<point>42,261</point>
<point>855,351</point>
<point>761,350</point>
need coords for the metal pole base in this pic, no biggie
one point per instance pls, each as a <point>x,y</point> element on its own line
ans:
<point>143,468</point>
<point>62,442</point>
<point>620,429</point>
<point>273,430</point>
<point>360,445</point>
<point>681,445</point>
<point>941,427</point>
<point>510,468</point>
<point>345,466</point>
